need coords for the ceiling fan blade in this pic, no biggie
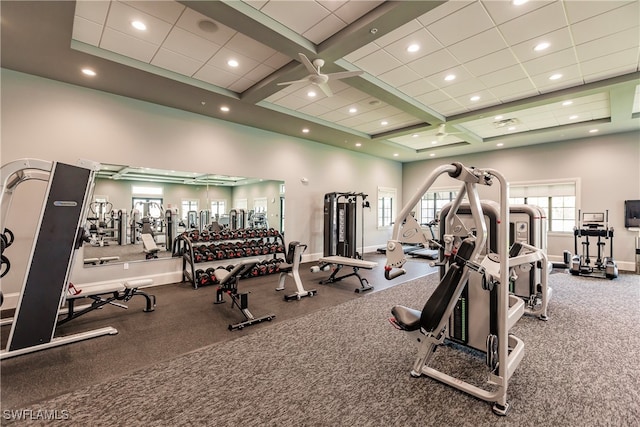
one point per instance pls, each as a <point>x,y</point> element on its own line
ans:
<point>308,65</point>
<point>326,89</point>
<point>305,80</point>
<point>343,75</point>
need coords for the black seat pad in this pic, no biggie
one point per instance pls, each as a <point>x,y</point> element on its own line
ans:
<point>407,318</point>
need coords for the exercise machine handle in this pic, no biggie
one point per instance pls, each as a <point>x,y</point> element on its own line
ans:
<point>390,276</point>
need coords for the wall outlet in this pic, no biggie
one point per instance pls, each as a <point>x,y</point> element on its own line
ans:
<point>126,265</point>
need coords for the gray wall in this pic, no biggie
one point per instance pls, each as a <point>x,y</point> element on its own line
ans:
<point>607,168</point>
<point>55,121</point>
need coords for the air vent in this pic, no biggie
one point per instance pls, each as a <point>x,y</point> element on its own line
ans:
<point>506,122</point>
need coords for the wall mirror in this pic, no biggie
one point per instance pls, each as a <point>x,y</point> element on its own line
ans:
<point>131,204</point>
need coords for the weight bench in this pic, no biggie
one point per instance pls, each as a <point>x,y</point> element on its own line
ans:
<point>340,262</point>
<point>291,268</point>
<point>101,260</point>
<point>150,248</point>
<point>228,283</point>
<point>105,294</point>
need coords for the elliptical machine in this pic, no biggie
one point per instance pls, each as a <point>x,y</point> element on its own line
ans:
<point>593,225</point>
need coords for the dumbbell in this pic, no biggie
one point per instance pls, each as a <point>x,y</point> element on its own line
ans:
<point>211,272</point>
<point>202,278</point>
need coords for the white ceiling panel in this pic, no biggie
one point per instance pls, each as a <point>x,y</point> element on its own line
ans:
<point>501,14</point>
<point>193,21</point>
<point>378,62</point>
<point>127,45</point>
<point>462,24</point>
<point>558,40</point>
<point>625,61</point>
<point>422,38</point>
<point>400,76</point>
<point>95,11</point>
<point>543,20</point>
<point>601,25</point>
<point>324,29</point>
<point>190,45</point>
<point>493,62</point>
<point>215,76</point>
<point>434,63</point>
<point>349,11</point>
<point>488,45</point>
<point>87,31</point>
<point>622,40</point>
<point>176,62</point>
<point>478,46</point>
<point>297,15</point>
<point>168,11</point>
<point>121,17</point>
<point>551,62</point>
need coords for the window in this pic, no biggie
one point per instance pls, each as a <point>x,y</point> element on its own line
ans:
<point>431,204</point>
<point>558,200</point>
<point>146,191</point>
<point>386,206</point>
<point>189,205</point>
<point>218,208</point>
<point>260,204</point>
<point>148,207</point>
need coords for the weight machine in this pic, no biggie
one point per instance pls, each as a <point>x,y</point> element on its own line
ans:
<point>593,225</point>
<point>503,351</point>
<point>58,235</point>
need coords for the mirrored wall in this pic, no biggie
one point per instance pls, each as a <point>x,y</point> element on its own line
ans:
<point>135,211</point>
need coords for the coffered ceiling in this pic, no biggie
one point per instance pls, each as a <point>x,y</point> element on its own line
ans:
<point>436,78</point>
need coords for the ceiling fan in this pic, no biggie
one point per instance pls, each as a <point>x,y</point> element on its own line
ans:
<point>317,78</point>
<point>442,132</point>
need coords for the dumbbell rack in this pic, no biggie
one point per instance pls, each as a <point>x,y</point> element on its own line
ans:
<point>216,249</point>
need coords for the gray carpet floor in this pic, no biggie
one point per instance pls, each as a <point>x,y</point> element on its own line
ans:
<point>185,319</point>
<point>346,366</point>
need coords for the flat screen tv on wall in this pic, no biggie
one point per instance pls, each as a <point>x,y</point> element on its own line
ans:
<point>632,213</point>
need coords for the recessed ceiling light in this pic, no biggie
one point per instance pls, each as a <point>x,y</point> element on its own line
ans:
<point>413,47</point>
<point>474,98</point>
<point>415,135</point>
<point>541,46</point>
<point>139,25</point>
<point>498,117</point>
<point>511,128</point>
<point>432,155</point>
<point>593,130</point>
<point>232,63</point>
<point>499,144</point>
<point>555,76</point>
<point>565,103</point>
<point>305,130</point>
<point>224,108</point>
<point>575,116</point>
<point>358,144</point>
<point>88,72</point>
<point>395,154</point>
<point>311,94</point>
<point>450,77</point>
<point>434,142</point>
<point>519,2</point>
<point>353,110</point>
<point>384,123</point>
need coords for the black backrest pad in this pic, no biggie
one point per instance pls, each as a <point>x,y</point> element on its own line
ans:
<point>47,275</point>
<point>291,252</point>
<point>436,305</point>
